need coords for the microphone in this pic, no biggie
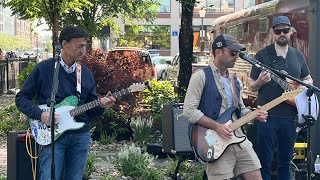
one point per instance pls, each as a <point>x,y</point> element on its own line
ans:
<point>249,58</point>
<point>57,50</point>
<point>258,64</point>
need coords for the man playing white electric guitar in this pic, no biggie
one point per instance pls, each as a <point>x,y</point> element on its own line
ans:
<point>75,80</point>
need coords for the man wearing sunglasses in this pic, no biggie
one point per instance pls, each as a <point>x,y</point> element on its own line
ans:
<point>212,90</point>
<point>279,128</point>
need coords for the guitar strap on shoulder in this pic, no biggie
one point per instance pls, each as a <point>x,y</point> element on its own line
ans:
<point>78,72</point>
<point>235,97</point>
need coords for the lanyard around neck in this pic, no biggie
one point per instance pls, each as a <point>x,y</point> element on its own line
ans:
<point>78,72</point>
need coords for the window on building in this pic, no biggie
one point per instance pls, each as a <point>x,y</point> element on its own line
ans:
<point>233,30</point>
<point>149,37</point>
<point>216,6</point>
<point>164,7</point>
<point>249,3</point>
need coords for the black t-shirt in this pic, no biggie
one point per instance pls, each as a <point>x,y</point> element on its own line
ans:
<point>294,64</point>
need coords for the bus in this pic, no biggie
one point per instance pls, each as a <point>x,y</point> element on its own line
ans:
<point>252,28</point>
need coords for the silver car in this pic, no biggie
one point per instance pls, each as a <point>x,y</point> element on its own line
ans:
<point>161,64</point>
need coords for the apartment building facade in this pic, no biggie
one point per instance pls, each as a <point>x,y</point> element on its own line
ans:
<point>12,25</point>
<point>163,33</point>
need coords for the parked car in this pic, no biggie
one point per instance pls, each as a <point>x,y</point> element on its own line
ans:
<point>30,54</point>
<point>161,64</point>
<point>199,61</point>
<point>154,52</point>
<point>148,71</point>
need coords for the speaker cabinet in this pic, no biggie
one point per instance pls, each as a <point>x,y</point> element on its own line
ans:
<point>175,130</point>
<point>18,160</point>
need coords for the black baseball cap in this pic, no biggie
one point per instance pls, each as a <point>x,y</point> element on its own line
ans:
<point>281,20</point>
<point>228,41</point>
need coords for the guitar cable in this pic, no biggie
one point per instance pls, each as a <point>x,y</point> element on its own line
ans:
<point>34,157</point>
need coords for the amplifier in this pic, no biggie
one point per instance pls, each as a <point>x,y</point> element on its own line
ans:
<point>175,136</point>
<point>18,160</point>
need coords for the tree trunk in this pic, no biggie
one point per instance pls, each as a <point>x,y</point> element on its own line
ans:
<point>55,25</point>
<point>89,44</point>
<point>185,47</point>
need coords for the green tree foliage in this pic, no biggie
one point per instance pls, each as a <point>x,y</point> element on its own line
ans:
<point>9,42</point>
<point>140,36</point>
<point>50,10</point>
<point>100,12</point>
<point>91,15</point>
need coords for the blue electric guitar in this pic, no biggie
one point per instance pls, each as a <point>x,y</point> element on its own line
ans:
<point>67,110</point>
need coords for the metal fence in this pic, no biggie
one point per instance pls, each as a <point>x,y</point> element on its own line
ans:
<point>10,68</point>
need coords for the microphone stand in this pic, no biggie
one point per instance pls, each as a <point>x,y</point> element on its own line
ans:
<point>55,85</point>
<point>309,119</point>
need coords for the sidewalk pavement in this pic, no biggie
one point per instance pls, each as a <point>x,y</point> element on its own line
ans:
<point>3,162</point>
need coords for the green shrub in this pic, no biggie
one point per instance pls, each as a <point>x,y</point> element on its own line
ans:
<point>162,93</point>
<point>109,177</point>
<point>11,120</point>
<point>105,139</point>
<point>113,123</point>
<point>25,73</point>
<point>188,170</point>
<point>90,166</point>
<point>142,129</point>
<point>131,161</point>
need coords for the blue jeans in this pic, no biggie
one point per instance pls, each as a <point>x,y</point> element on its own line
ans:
<point>283,132</point>
<point>71,152</point>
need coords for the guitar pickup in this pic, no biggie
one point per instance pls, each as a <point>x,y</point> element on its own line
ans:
<point>210,139</point>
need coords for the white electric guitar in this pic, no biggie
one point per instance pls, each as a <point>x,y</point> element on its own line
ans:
<point>67,110</point>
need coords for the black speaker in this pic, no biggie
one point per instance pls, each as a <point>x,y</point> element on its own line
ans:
<point>175,138</point>
<point>18,160</point>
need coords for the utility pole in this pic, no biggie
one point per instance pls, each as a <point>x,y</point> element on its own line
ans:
<point>314,65</point>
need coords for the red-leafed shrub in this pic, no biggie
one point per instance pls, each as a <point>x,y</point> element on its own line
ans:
<point>117,72</point>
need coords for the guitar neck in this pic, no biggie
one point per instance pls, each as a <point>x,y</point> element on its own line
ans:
<point>282,83</point>
<point>247,118</point>
<point>85,107</point>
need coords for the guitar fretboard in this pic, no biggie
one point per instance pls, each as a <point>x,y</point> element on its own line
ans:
<point>282,83</point>
<point>85,107</point>
<point>245,119</point>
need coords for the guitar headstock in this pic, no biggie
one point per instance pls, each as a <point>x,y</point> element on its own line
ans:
<point>137,87</point>
<point>291,94</point>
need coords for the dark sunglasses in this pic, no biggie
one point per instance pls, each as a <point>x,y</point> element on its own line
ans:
<point>278,31</point>
<point>233,53</point>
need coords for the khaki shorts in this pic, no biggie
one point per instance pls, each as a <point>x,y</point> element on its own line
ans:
<point>233,162</point>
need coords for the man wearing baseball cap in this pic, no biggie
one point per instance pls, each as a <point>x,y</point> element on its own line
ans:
<point>279,127</point>
<point>211,92</point>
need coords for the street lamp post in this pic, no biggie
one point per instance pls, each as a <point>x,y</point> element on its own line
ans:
<point>202,14</point>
